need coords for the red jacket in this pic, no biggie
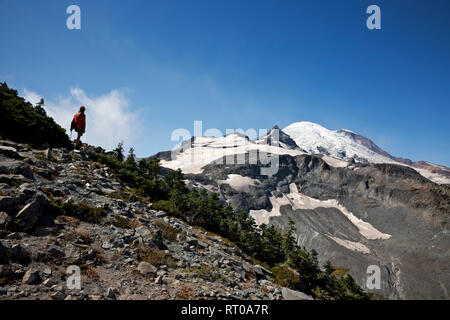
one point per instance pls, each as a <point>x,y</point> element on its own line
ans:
<point>80,121</point>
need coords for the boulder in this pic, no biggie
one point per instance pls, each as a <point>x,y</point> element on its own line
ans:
<point>30,214</point>
<point>55,252</point>
<point>24,170</point>
<point>289,294</point>
<point>72,253</point>
<point>261,272</point>
<point>32,276</point>
<point>17,254</point>
<point>147,269</point>
<point>192,241</point>
<point>10,152</point>
<point>111,294</point>
<point>146,235</point>
<point>7,204</point>
<point>58,295</point>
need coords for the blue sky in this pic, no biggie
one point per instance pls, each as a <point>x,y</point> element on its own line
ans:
<point>149,67</point>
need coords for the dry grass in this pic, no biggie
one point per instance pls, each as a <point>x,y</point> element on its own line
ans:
<point>90,273</point>
<point>135,224</point>
<point>84,237</point>
<point>168,231</point>
<point>120,222</point>
<point>185,292</point>
<point>99,258</point>
<point>139,211</point>
<point>156,257</point>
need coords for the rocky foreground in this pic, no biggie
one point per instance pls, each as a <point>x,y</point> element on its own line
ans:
<point>131,252</point>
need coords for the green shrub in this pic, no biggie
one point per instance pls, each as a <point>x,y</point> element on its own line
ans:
<point>162,205</point>
<point>23,122</point>
<point>83,211</point>
<point>285,275</point>
<point>121,222</point>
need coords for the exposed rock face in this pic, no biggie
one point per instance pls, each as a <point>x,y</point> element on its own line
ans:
<point>139,262</point>
<point>289,294</point>
<point>355,215</point>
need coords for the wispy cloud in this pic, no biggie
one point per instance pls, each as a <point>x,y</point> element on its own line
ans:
<point>109,118</point>
<point>31,96</point>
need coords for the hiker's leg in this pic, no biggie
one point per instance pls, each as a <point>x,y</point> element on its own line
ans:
<point>77,142</point>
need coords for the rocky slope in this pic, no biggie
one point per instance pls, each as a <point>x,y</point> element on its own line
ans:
<point>356,209</point>
<point>125,250</point>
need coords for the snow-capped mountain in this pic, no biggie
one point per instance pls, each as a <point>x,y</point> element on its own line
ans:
<point>342,144</point>
<point>351,201</point>
<point>345,144</point>
<point>336,148</point>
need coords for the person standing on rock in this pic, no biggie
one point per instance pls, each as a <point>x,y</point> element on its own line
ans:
<point>79,124</point>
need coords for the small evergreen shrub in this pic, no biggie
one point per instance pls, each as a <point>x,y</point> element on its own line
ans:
<point>23,122</point>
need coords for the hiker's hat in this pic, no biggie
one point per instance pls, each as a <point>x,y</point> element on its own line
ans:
<point>82,108</point>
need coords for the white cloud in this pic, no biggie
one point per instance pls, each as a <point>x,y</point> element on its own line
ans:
<point>109,118</point>
<point>31,96</point>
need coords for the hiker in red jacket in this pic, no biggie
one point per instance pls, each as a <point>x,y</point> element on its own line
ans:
<point>79,124</point>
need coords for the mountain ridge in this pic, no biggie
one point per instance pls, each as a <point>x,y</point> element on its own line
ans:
<point>338,201</point>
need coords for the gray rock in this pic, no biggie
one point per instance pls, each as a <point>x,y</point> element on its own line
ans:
<point>18,254</point>
<point>49,282</point>
<point>289,294</point>
<point>55,252</point>
<point>46,271</point>
<point>72,253</point>
<point>7,204</point>
<point>58,295</point>
<point>3,219</point>
<point>106,245</point>
<point>192,241</point>
<point>90,255</point>
<point>261,272</point>
<point>31,276</point>
<point>111,294</point>
<point>10,152</point>
<point>3,291</point>
<point>160,214</point>
<point>146,235</point>
<point>30,214</point>
<point>147,269</point>
<point>25,171</point>
<point>201,244</point>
